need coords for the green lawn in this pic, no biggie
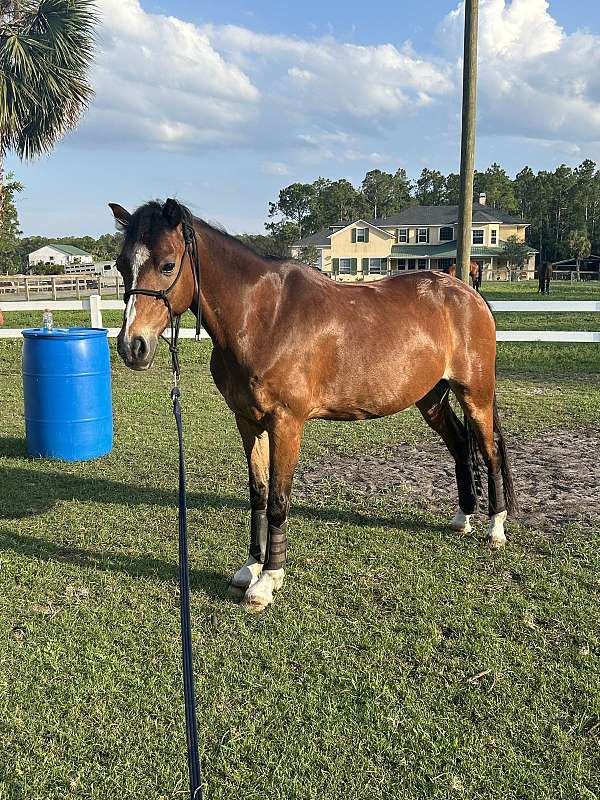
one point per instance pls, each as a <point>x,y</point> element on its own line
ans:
<point>399,661</point>
<point>528,290</point>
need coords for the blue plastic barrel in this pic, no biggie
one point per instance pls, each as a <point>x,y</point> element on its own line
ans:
<point>67,389</point>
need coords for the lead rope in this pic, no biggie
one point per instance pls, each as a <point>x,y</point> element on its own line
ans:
<point>189,695</point>
<point>189,698</point>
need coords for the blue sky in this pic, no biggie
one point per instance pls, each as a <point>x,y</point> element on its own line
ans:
<point>221,106</point>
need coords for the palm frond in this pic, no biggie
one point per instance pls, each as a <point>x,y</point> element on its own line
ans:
<point>45,53</point>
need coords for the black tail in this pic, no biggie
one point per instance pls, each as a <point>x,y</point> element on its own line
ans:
<point>510,498</point>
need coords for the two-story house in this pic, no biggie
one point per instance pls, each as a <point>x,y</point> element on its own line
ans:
<point>419,237</point>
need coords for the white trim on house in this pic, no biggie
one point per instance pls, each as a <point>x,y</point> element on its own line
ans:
<point>361,222</point>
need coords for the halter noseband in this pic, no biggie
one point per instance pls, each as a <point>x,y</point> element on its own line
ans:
<point>191,250</point>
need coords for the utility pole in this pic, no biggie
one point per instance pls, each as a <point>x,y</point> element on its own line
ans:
<point>467,149</point>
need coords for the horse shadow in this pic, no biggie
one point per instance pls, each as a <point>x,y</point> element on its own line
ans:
<point>31,492</point>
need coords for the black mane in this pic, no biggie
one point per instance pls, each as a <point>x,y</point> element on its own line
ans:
<point>147,223</point>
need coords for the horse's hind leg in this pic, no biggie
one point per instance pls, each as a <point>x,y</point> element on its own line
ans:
<point>481,412</point>
<point>437,412</point>
<point>256,447</point>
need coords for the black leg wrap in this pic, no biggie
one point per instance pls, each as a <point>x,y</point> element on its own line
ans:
<point>259,534</point>
<point>277,549</point>
<point>496,494</point>
<point>467,494</point>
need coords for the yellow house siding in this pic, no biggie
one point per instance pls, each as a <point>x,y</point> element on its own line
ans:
<point>513,230</point>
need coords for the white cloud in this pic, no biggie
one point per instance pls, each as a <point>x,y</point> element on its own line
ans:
<point>172,84</point>
<point>276,168</point>
<point>159,79</point>
<point>331,77</point>
<point>535,80</point>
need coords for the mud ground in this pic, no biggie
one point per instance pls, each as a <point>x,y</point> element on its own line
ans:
<point>557,477</point>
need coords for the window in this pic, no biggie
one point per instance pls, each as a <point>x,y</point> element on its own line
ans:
<point>410,263</point>
<point>444,263</point>
<point>402,235</point>
<point>345,266</point>
<point>478,236</point>
<point>446,234</point>
<point>422,263</point>
<point>377,266</point>
<point>361,234</point>
<point>401,263</point>
<point>423,235</point>
<point>494,236</point>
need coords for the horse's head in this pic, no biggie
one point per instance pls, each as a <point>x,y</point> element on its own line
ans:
<point>151,259</point>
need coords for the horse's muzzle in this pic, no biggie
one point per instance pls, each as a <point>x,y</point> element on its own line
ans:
<point>137,351</point>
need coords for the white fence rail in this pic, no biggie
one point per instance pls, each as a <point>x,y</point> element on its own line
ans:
<point>96,304</point>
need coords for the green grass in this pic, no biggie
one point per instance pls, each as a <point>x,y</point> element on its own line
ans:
<point>528,290</point>
<point>361,681</point>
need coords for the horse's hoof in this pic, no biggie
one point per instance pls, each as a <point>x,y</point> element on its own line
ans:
<point>496,542</point>
<point>461,522</point>
<point>260,595</point>
<point>237,592</point>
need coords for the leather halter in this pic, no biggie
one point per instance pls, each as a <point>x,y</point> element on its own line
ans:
<point>191,250</point>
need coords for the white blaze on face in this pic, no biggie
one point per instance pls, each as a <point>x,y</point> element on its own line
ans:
<point>139,257</point>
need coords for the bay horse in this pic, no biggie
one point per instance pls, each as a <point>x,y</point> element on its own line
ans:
<point>290,345</point>
<point>475,273</point>
<point>544,277</point>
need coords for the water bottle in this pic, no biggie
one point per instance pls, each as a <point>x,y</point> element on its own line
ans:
<point>47,320</point>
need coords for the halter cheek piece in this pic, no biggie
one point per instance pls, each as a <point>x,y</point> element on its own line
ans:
<point>191,250</point>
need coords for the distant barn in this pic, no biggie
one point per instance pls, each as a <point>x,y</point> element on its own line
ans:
<point>72,258</point>
<point>585,269</point>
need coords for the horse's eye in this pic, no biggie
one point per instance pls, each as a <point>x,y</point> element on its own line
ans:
<point>168,267</point>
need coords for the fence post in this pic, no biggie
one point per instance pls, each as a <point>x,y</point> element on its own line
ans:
<point>95,311</point>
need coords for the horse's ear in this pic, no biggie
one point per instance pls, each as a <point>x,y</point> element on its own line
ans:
<point>122,216</point>
<point>172,212</point>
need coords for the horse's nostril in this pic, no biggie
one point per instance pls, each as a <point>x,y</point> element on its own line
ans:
<point>138,348</point>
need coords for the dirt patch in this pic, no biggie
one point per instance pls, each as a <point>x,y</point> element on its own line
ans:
<point>557,477</point>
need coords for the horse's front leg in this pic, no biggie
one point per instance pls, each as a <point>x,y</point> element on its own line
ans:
<point>256,447</point>
<point>285,434</point>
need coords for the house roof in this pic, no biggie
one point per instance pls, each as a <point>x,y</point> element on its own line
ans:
<point>419,215</point>
<point>67,249</point>
<point>446,250</point>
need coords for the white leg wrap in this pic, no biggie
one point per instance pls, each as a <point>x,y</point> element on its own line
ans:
<point>461,522</point>
<point>247,575</point>
<point>260,594</point>
<point>495,535</point>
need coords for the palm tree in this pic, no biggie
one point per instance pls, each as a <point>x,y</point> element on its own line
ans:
<point>46,47</point>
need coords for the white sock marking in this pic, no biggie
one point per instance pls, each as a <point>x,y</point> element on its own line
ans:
<point>495,536</point>
<point>461,522</point>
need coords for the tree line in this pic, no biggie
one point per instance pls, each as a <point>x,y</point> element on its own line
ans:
<point>15,249</point>
<point>562,207</point>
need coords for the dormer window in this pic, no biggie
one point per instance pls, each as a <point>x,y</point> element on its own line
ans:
<point>446,234</point>
<point>494,234</point>
<point>478,236</point>
<point>360,235</point>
